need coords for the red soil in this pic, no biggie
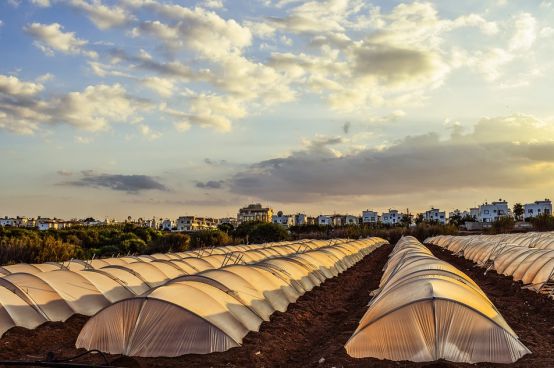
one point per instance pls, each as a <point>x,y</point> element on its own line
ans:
<point>316,327</point>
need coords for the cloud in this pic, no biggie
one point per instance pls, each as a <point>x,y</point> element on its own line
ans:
<point>83,140</point>
<point>214,4</point>
<point>41,3</point>
<point>198,29</point>
<point>12,86</point>
<point>210,184</point>
<point>50,37</point>
<point>95,108</point>
<point>393,64</point>
<point>162,86</point>
<point>211,111</point>
<point>124,183</point>
<point>503,152</point>
<point>317,16</point>
<point>148,133</point>
<point>102,16</point>
<point>525,33</point>
<point>64,173</point>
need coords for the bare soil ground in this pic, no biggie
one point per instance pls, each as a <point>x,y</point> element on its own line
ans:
<point>313,331</point>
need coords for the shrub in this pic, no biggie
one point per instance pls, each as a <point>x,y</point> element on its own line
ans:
<point>208,238</point>
<point>169,242</point>
<point>543,222</point>
<point>504,224</point>
<point>267,232</point>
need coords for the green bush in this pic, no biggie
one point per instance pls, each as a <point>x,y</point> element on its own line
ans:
<point>169,242</point>
<point>208,238</point>
<point>543,222</point>
<point>504,224</point>
<point>391,233</point>
<point>32,245</point>
<point>267,232</point>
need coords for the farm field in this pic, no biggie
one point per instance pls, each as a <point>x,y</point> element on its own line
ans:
<point>314,329</point>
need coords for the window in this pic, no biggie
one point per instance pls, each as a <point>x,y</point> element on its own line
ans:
<point>486,212</point>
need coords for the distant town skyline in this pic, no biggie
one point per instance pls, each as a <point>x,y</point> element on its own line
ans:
<point>357,212</point>
<point>160,108</point>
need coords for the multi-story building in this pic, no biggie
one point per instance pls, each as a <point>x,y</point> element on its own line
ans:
<point>390,218</point>
<point>151,223</point>
<point>194,223</point>
<point>369,217</point>
<point>20,221</point>
<point>490,212</point>
<point>324,220</point>
<point>167,224</point>
<point>537,208</point>
<point>255,212</point>
<point>6,221</point>
<point>283,220</point>
<point>337,220</point>
<point>44,224</point>
<point>228,220</point>
<point>474,212</point>
<point>300,219</point>
<point>350,220</point>
<point>435,215</point>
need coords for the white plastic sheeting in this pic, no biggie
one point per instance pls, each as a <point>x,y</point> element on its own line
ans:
<point>527,257</point>
<point>426,309</point>
<point>213,310</point>
<point>55,291</point>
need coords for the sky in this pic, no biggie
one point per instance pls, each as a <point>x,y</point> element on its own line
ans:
<point>159,108</point>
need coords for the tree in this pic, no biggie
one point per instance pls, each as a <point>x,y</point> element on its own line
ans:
<point>544,222</point>
<point>518,211</point>
<point>419,218</point>
<point>267,232</point>
<point>208,238</point>
<point>226,228</point>
<point>169,242</point>
<point>406,219</point>
<point>455,220</point>
<point>504,224</point>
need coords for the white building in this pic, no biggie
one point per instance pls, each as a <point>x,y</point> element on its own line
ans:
<point>474,212</point>
<point>283,220</point>
<point>350,220</point>
<point>336,220</point>
<point>194,223</point>
<point>537,208</point>
<point>167,224</point>
<point>300,219</point>
<point>324,220</point>
<point>435,215</point>
<point>6,221</point>
<point>151,223</point>
<point>229,220</point>
<point>370,217</point>
<point>44,224</point>
<point>390,218</point>
<point>490,212</point>
<point>255,212</point>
